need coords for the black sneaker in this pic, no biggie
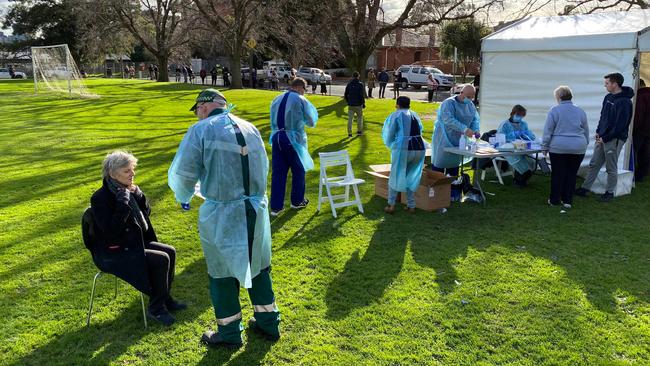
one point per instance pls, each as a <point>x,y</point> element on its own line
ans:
<point>252,324</point>
<point>359,133</point>
<point>173,305</point>
<point>349,135</point>
<point>301,205</point>
<point>582,192</point>
<point>276,212</point>
<point>163,316</point>
<point>214,339</point>
<point>606,197</point>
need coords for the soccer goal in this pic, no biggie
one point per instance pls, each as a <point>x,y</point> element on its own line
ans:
<point>55,70</point>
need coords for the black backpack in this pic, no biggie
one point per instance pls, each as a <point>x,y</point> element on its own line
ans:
<point>88,231</point>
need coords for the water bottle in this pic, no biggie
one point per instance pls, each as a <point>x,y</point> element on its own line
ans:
<point>185,206</point>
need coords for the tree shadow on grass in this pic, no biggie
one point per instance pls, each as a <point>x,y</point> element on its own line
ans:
<point>366,276</point>
<point>104,342</point>
<point>603,254</point>
<point>338,108</point>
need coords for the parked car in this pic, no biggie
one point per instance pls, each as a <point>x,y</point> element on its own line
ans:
<point>416,76</point>
<point>58,72</point>
<point>284,72</point>
<point>4,74</point>
<point>312,74</point>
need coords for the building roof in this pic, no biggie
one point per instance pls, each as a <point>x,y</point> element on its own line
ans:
<point>409,39</point>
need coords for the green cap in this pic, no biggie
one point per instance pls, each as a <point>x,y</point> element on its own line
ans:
<point>207,96</point>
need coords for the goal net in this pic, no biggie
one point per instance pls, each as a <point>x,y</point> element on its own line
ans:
<point>55,70</point>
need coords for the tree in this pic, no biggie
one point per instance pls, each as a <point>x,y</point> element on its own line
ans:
<point>302,37</point>
<point>44,22</point>
<point>591,6</point>
<point>101,33</point>
<point>464,37</point>
<point>360,30</point>
<point>85,26</point>
<point>234,21</point>
<point>159,25</point>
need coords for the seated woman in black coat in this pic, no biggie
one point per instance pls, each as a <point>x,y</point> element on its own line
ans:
<point>126,244</point>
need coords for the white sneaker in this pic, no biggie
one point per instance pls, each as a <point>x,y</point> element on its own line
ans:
<point>566,205</point>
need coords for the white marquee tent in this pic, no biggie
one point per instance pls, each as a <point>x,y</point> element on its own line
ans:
<point>524,62</point>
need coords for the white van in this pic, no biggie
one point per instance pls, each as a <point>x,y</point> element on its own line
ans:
<point>416,76</point>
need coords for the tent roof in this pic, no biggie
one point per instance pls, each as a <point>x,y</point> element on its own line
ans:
<point>609,30</point>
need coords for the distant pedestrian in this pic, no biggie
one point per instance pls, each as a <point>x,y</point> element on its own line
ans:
<point>432,86</point>
<point>185,73</point>
<point>190,74</point>
<point>203,74</point>
<point>213,75</point>
<point>371,81</point>
<point>355,97</point>
<point>226,77</point>
<point>253,78</point>
<point>155,72</point>
<point>397,80</point>
<point>178,73</point>
<point>274,80</point>
<point>383,79</point>
<point>323,83</point>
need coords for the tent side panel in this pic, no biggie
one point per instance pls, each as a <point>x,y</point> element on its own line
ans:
<point>529,79</point>
<point>538,42</point>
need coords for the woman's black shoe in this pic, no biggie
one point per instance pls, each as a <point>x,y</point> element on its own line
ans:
<point>163,316</point>
<point>173,305</point>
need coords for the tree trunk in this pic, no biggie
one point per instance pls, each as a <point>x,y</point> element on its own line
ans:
<point>235,70</point>
<point>163,69</point>
<point>357,62</point>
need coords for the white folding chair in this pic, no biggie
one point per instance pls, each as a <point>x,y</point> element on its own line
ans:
<point>496,164</point>
<point>333,159</point>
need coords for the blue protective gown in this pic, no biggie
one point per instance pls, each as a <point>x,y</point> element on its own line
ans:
<point>453,118</point>
<point>209,153</point>
<point>396,135</point>
<point>299,112</point>
<point>514,131</point>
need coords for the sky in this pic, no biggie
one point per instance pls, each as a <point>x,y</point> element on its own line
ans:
<point>393,9</point>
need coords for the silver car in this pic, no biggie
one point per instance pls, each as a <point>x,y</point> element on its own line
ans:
<point>312,74</point>
<point>4,74</point>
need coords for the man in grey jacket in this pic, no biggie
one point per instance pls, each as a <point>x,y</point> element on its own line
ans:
<point>611,134</point>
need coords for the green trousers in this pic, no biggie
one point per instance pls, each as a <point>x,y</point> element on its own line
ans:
<point>225,299</point>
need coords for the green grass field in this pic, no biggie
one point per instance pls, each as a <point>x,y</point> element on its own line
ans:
<point>515,282</point>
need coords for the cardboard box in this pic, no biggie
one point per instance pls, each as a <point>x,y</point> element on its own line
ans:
<point>381,173</point>
<point>624,183</point>
<point>434,191</point>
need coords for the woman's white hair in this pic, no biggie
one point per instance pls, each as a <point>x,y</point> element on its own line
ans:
<point>563,92</point>
<point>116,160</point>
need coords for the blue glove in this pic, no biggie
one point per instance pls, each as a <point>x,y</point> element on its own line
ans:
<point>185,206</point>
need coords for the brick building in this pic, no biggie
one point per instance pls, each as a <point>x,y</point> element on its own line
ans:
<point>405,47</point>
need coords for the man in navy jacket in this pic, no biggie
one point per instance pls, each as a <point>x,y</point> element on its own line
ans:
<point>355,96</point>
<point>611,134</point>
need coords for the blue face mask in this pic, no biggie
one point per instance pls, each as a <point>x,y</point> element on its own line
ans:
<point>517,118</point>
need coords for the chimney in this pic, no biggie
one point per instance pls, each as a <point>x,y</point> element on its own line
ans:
<point>432,37</point>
